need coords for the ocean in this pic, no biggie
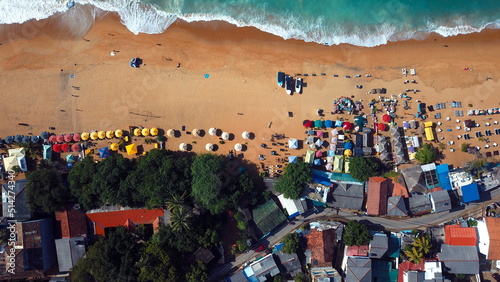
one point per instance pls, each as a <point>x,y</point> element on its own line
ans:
<point>359,22</point>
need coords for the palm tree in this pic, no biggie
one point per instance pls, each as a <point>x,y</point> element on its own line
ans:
<point>414,255</point>
<point>176,202</point>
<point>423,244</point>
<point>180,220</point>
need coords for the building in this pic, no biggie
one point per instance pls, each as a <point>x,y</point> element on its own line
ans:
<point>396,206</point>
<point>459,259</point>
<point>460,178</point>
<point>262,269</point>
<point>376,203</point>
<point>455,235</point>
<point>397,187</point>
<point>414,178</point>
<point>293,207</point>
<point>357,251</point>
<point>288,263</point>
<point>267,217</point>
<point>348,195</point>
<point>491,179</point>
<point>493,238</point>
<point>470,193</point>
<point>322,246</point>
<point>71,222</point>
<point>408,271</point>
<point>69,252</point>
<point>430,175</point>
<point>325,274</point>
<point>440,201</point>
<point>22,210</point>
<point>378,246</point>
<point>17,157</point>
<point>443,171</point>
<point>359,269</point>
<point>419,204</point>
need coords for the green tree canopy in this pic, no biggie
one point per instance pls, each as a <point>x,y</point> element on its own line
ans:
<point>110,173</point>
<point>291,242</point>
<point>197,273</point>
<point>207,185</point>
<point>158,263</point>
<point>80,179</point>
<point>427,154</point>
<point>362,168</point>
<point>292,182</point>
<point>356,233</point>
<point>45,191</point>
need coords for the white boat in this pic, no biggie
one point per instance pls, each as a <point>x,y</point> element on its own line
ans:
<point>298,85</point>
<point>288,85</point>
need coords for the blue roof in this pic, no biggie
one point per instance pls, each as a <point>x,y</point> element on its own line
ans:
<point>470,193</point>
<point>442,172</point>
<point>321,177</point>
<point>394,246</point>
<point>442,168</point>
<point>343,177</point>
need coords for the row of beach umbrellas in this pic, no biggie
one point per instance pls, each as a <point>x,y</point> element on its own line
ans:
<point>210,147</point>
<point>146,131</point>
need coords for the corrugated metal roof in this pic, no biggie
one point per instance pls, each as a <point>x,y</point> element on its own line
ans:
<point>103,220</point>
<point>460,259</point>
<point>493,225</point>
<point>376,203</point>
<point>470,193</point>
<point>456,235</point>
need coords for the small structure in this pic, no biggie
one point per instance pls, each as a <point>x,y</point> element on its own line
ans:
<point>430,175</point>
<point>71,222</point>
<point>321,244</point>
<point>408,271</point>
<point>396,206</point>
<point>69,252</point>
<point>491,238</point>
<point>293,207</point>
<point>456,235</point>
<point>470,193</point>
<point>348,195</point>
<point>262,269</point>
<point>293,143</point>
<point>378,245</point>
<point>459,259</point>
<point>267,217</point>
<point>440,201</point>
<point>22,211</point>
<point>359,269</point>
<point>377,196</point>
<point>419,204</point>
<point>204,255</point>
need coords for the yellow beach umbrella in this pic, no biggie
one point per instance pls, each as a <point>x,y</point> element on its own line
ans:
<point>154,131</point>
<point>94,136</point>
<point>137,132</point>
<point>145,132</point>
<point>114,146</point>
<point>110,134</point>
<point>348,153</point>
<point>85,136</point>
<point>118,133</point>
<point>101,134</point>
<point>131,149</point>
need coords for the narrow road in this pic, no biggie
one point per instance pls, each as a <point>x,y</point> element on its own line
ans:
<point>421,222</point>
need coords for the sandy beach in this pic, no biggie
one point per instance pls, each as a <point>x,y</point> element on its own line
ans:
<point>41,75</point>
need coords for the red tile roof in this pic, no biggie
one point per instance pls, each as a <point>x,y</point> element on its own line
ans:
<point>357,251</point>
<point>72,222</point>
<point>460,236</point>
<point>128,218</point>
<point>493,225</point>
<point>409,266</point>
<point>376,202</point>
<point>321,244</point>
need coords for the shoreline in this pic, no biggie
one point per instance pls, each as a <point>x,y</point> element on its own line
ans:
<point>242,63</point>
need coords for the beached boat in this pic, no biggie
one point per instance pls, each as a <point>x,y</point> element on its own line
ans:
<point>288,85</point>
<point>298,85</point>
<point>280,78</point>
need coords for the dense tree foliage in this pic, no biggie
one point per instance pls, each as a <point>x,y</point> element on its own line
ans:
<point>80,178</point>
<point>197,273</point>
<point>45,191</point>
<point>291,242</point>
<point>362,168</point>
<point>427,154</point>
<point>158,263</point>
<point>110,173</point>
<point>292,182</point>
<point>417,251</point>
<point>356,233</point>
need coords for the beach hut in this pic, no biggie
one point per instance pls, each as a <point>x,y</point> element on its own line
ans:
<point>94,135</point>
<point>104,152</point>
<point>45,135</point>
<point>293,143</point>
<point>154,131</point>
<point>292,159</point>
<point>245,135</point>
<point>131,149</point>
<point>307,123</point>
<point>85,136</point>
<point>225,136</point>
<point>238,147</point>
<point>114,146</point>
<point>318,123</point>
<point>209,147</point>
<point>47,152</point>
<point>145,132</point>
<point>183,146</point>
<point>195,132</point>
<point>309,156</point>
<point>101,134</point>
<point>68,138</point>
<point>118,133</point>
<point>386,118</point>
<point>56,148</point>
<point>110,134</point>
<point>77,137</point>
<point>65,147</point>
<point>35,139</point>
<point>329,123</point>
<point>137,132</point>
<point>76,148</point>
<point>171,133</point>
<point>212,131</point>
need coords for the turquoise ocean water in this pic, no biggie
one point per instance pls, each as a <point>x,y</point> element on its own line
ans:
<point>358,22</point>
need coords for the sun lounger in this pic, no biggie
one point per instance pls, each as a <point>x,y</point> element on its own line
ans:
<point>495,153</point>
<point>437,115</point>
<point>335,75</point>
<point>412,72</point>
<point>437,107</point>
<point>443,105</point>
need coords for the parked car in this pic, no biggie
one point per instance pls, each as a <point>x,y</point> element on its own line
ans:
<point>261,248</point>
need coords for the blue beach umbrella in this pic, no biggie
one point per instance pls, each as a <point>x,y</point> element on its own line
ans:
<point>9,139</point>
<point>338,123</point>
<point>104,152</point>
<point>318,123</point>
<point>329,123</point>
<point>348,145</point>
<point>35,139</point>
<point>26,139</point>
<point>18,138</point>
<point>317,162</point>
<point>1,141</point>
<point>45,135</point>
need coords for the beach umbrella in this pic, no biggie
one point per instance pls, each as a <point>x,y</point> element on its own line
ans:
<point>183,146</point>
<point>212,131</point>
<point>318,123</point>
<point>292,159</point>
<point>18,138</point>
<point>76,148</point>
<point>459,136</point>
<point>76,137</point>
<point>70,158</point>
<point>348,153</point>
<point>452,150</point>
<point>329,123</point>
<point>145,132</point>
<point>9,139</point>
<point>245,135</point>
<point>195,132</point>
<point>131,149</point>
<point>328,166</point>
<point>238,147</point>
<point>60,138</point>
<point>85,136</point>
<point>386,118</point>
<point>118,133</point>
<point>137,132</point>
<point>495,122</point>
<point>458,127</point>
<point>317,162</point>
<point>65,147</point>
<point>348,145</point>
<point>68,138</point>
<point>335,132</point>
<point>307,123</point>
<point>438,123</point>
<point>26,139</point>
<point>104,152</point>
<point>209,147</point>
<point>52,139</point>
<point>381,126</point>
<point>45,135</point>
<point>319,134</point>
<point>457,121</point>
<point>487,124</point>
<point>35,139</point>
<point>94,136</point>
<point>439,130</point>
<point>101,134</point>
<point>225,136</point>
<point>347,125</point>
<point>110,134</point>
<point>319,143</point>
<point>154,131</point>
<point>487,146</point>
<point>319,154</point>
<point>56,148</point>
<point>171,133</point>
<point>114,146</point>
<point>495,144</point>
<point>448,118</point>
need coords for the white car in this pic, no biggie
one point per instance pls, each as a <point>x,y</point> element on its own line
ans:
<point>298,85</point>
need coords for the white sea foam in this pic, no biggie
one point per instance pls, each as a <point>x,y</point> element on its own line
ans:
<point>19,11</point>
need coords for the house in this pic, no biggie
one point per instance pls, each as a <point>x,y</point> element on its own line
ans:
<point>383,271</point>
<point>455,235</point>
<point>397,187</point>
<point>267,217</point>
<point>34,250</point>
<point>71,222</point>
<point>434,272</point>
<point>69,252</point>
<point>262,269</point>
<point>130,218</point>
<point>357,251</point>
<point>238,276</point>
<point>491,179</point>
<point>459,259</point>
<point>493,227</point>
<point>470,193</point>
<point>378,246</point>
<point>347,195</point>
<point>376,203</point>
<point>414,178</point>
<point>204,254</point>
<point>293,207</point>
<point>396,206</point>
<point>430,175</point>
<point>459,178</point>
<point>419,204</point>
<point>443,171</point>
<point>320,274</point>
<point>18,190</point>
<point>322,246</point>
<point>288,263</point>
<point>17,157</point>
<point>440,200</point>
<point>408,271</point>
<point>359,269</point>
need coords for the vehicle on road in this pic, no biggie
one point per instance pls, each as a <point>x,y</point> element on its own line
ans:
<point>260,248</point>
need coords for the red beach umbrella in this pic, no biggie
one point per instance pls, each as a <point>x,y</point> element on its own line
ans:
<point>381,126</point>
<point>52,139</point>
<point>56,148</point>
<point>319,154</point>
<point>347,125</point>
<point>65,147</point>
<point>68,138</point>
<point>307,123</point>
<point>76,137</point>
<point>60,138</point>
<point>76,148</point>
<point>386,118</point>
